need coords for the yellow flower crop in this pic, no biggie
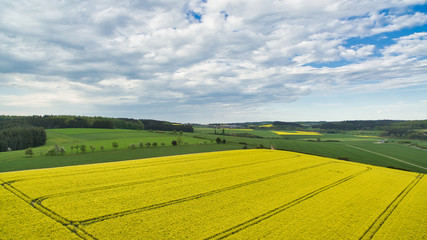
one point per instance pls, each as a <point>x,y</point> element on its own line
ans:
<point>241,194</point>
<point>297,133</point>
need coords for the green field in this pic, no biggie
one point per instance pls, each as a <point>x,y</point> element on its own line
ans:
<point>360,147</point>
<point>17,160</point>
<point>346,146</point>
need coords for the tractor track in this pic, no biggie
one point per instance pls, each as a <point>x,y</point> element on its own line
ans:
<point>283,207</point>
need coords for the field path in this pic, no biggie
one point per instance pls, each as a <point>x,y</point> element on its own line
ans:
<point>193,197</point>
<point>369,234</point>
<point>380,154</point>
<point>49,213</point>
<point>283,207</point>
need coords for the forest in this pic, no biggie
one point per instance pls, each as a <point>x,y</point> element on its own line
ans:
<point>16,138</point>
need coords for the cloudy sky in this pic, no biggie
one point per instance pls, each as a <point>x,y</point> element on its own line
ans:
<point>215,60</point>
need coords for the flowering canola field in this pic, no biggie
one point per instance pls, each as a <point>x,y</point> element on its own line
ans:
<point>240,194</point>
<point>298,133</point>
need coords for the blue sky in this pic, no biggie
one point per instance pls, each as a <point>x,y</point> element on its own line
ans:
<point>215,61</point>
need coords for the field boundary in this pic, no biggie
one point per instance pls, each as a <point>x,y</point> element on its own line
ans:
<point>193,197</point>
<point>283,207</point>
<point>39,200</point>
<point>47,212</point>
<point>376,225</point>
<point>393,158</point>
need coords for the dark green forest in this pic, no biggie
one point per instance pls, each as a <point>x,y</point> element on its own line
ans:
<point>17,138</point>
<point>51,121</point>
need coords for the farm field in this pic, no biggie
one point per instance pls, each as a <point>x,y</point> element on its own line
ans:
<point>353,147</point>
<point>17,160</point>
<point>239,194</point>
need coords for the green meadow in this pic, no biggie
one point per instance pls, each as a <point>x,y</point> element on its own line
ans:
<point>354,146</point>
<point>17,160</point>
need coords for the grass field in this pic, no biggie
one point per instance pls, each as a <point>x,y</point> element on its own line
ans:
<point>240,194</point>
<point>340,146</point>
<point>355,147</point>
<point>17,160</point>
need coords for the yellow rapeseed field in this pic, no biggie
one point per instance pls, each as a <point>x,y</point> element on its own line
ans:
<point>266,126</point>
<point>240,194</point>
<point>297,133</point>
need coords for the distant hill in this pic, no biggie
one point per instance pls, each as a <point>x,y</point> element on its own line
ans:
<point>390,128</point>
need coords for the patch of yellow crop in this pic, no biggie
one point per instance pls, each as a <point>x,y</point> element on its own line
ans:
<point>266,126</point>
<point>19,220</point>
<point>297,133</point>
<point>241,129</point>
<point>240,194</point>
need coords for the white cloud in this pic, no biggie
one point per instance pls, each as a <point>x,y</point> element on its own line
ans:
<point>356,52</point>
<point>240,53</point>
<point>414,45</point>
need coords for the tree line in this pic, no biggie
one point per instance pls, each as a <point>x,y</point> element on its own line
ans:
<point>166,126</point>
<point>389,128</point>
<point>63,121</point>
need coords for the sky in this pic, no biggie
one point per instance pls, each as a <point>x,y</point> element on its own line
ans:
<point>222,61</point>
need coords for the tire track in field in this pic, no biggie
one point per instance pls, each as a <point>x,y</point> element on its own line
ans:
<point>150,164</point>
<point>383,155</point>
<point>376,225</point>
<point>283,207</point>
<point>49,213</point>
<point>193,197</point>
<point>39,200</point>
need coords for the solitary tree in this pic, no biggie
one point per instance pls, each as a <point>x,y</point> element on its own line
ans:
<point>174,143</point>
<point>92,148</point>
<point>115,145</point>
<point>29,152</point>
<point>83,148</point>
<point>218,140</point>
<point>61,150</point>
